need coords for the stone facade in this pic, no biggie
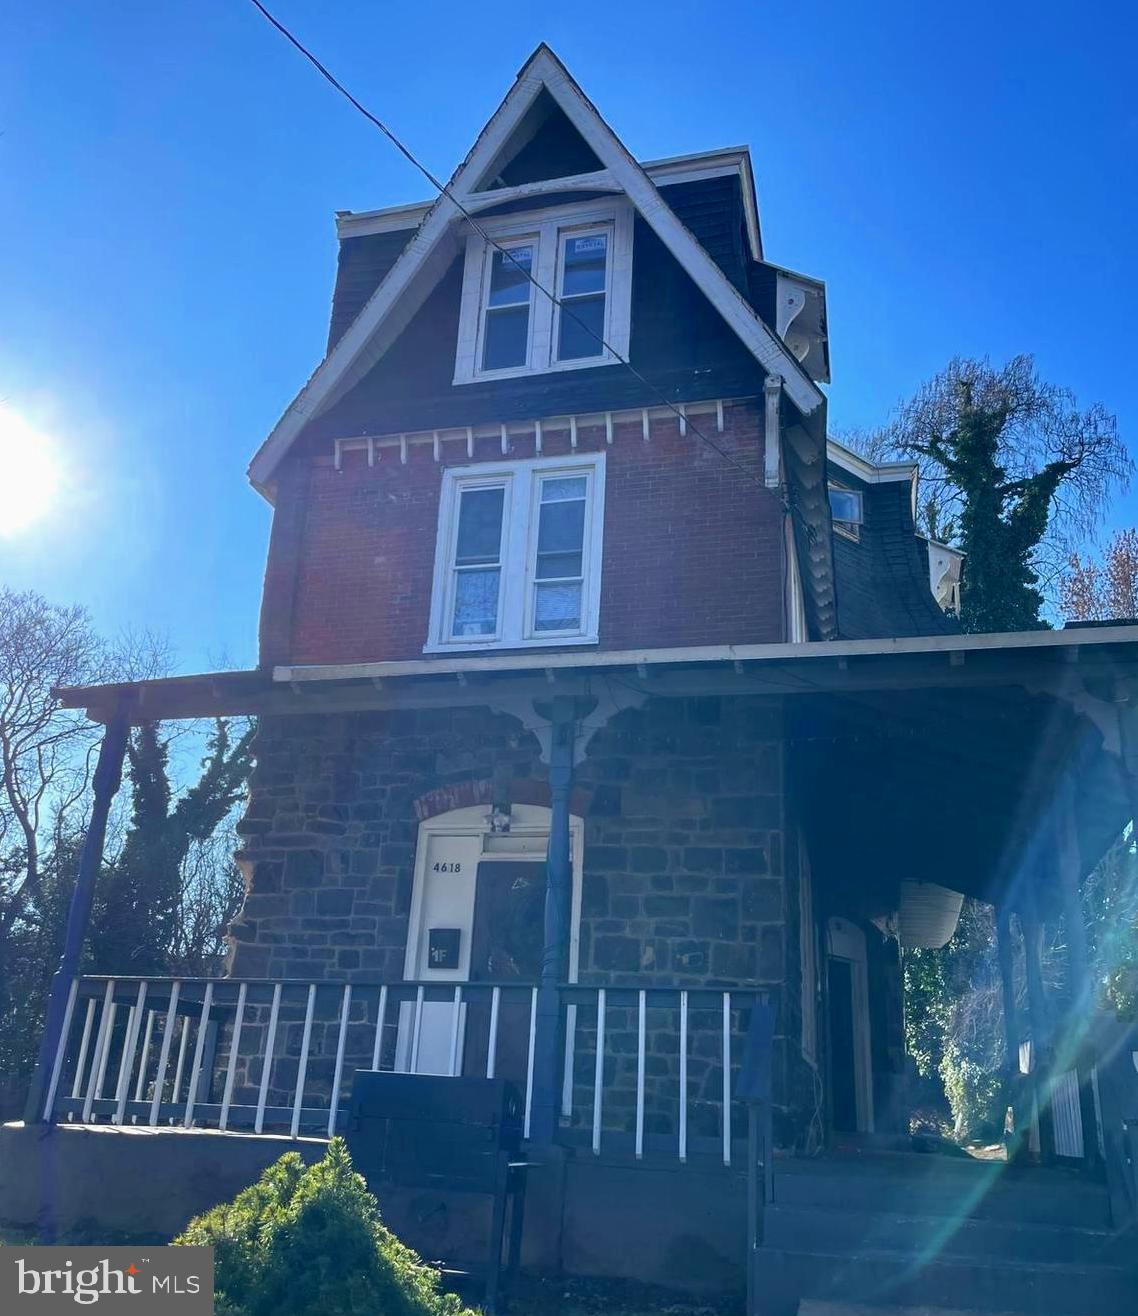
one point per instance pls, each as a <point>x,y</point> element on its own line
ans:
<point>684,880</point>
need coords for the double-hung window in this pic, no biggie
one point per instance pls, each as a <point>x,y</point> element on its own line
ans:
<point>508,325</point>
<point>582,290</point>
<point>477,580</point>
<point>518,554</point>
<point>559,558</point>
<point>509,295</point>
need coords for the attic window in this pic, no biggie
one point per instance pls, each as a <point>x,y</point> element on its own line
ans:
<point>508,325</point>
<point>846,511</point>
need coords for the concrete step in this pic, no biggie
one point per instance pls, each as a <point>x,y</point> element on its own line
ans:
<point>842,1231</point>
<point>896,1279</point>
<point>930,1186</point>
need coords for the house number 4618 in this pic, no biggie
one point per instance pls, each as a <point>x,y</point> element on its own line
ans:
<point>453,867</point>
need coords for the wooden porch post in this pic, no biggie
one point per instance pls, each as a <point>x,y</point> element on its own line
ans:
<point>1013,1087</point>
<point>1032,927</point>
<point>1068,863</point>
<point>105,784</point>
<point>558,915</point>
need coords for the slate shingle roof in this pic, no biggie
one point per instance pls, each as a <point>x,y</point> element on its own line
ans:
<point>882,580</point>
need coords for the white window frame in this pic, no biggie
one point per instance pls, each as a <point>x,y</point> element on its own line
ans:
<point>546,231</point>
<point>520,512</point>
<point>851,529</point>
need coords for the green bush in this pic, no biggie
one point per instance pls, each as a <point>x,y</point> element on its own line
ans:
<point>310,1239</point>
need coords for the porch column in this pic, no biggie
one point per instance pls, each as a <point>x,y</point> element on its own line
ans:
<point>558,913</point>
<point>1013,1087</point>
<point>104,785</point>
<point>1032,926</point>
<point>1069,865</point>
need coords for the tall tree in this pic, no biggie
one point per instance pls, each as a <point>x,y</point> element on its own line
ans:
<point>44,761</point>
<point>147,896</point>
<point>1012,470</point>
<point>43,748</point>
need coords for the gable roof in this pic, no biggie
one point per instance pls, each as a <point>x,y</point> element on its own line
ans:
<point>433,246</point>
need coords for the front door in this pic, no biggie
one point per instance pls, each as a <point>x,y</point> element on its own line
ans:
<point>477,916</point>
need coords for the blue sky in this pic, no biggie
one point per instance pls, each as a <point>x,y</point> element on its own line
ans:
<point>962,176</point>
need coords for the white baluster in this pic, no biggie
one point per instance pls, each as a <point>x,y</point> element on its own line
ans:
<point>129,1047</point>
<point>341,1043</point>
<point>199,1049</point>
<point>529,1059</point>
<point>61,1049</point>
<point>726,1078</point>
<point>456,1015</point>
<point>377,1049</point>
<point>102,1045</point>
<point>81,1063</point>
<point>164,1053</point>
<point>148,1037</point>
<point>683,1076</point>
<point>267,1065</point>
<point>416,1024</point>
<point>599,1071</point>
<point>640,1049</point>
<point>179,1068</point>
<point>302,1071</point>
<point>231,1067</point>
<point>492,1036</point>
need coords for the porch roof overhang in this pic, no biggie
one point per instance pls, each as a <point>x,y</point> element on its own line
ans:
<point>947,759</point>
<point>1088,663</point>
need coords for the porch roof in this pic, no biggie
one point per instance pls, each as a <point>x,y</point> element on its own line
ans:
<point>938,758</point>
<point>1079,662</point>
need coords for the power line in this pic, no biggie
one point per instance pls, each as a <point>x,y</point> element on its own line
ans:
<point>444,190</point>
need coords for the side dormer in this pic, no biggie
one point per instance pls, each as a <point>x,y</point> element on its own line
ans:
<point>557,410</point>
<point>889,579</point>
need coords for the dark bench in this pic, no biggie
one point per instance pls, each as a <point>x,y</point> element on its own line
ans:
<point>455,1134</point>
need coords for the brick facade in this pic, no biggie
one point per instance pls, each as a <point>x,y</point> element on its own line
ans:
<point>684,864</point>
<point>693,550</point>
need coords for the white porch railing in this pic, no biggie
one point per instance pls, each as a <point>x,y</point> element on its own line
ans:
<point>645,1069</point>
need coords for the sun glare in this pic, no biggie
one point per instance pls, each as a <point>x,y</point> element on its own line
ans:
<point>29,474</point>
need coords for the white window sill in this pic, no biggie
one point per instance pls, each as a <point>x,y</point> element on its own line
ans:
<point>546,642</point>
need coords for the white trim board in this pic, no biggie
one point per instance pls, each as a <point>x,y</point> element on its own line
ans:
<point>434,245</point>
<point>720,653</point>
<point>869,472</point>
<point>694,168</point>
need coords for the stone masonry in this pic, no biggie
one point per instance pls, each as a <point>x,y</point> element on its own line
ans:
<point>684,878</point>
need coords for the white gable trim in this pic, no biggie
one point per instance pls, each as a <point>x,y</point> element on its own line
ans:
<point>432,248</point>
<point>725,163</point>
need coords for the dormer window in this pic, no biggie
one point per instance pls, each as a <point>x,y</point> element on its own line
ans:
<point>518,554</point>
<point>846,511</point>
<point>509,298</point>
<point>508,326</point>
<point>582,287</point>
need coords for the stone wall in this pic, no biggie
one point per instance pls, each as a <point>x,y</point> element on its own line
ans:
<point>684,881</point>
